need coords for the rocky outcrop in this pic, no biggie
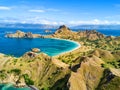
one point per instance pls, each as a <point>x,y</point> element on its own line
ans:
<point>47,31</point>
<point>36,50</point>
<point>20,34</point>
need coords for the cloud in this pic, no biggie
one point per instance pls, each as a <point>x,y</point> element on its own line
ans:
<point>4,8</point>
<point>40,20</point>
<point>95,22</point>
<point>31,20</point>
<point>44,10</point>
<point>37,10</point>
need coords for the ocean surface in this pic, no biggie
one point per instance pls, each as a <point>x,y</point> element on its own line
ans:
<point>52,47</point>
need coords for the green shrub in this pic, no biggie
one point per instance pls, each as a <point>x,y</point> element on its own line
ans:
<point>28,81</point>
<point>16,71</point>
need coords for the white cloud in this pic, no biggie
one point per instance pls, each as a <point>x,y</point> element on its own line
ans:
<point>95,21</point>
<point>37,10</point>
<point>4,8</point>
<point>40,20</point>
<point>33,20</point>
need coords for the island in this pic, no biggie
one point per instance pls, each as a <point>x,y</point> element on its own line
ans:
<point>93,66</point>
<point>20,34</point>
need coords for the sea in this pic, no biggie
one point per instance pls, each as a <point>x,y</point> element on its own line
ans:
<point>52,47</point>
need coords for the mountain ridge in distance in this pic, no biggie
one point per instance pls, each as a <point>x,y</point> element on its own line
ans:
<point>48,26</point>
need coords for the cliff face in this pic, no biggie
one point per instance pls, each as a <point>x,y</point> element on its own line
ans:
<point>20,34</point>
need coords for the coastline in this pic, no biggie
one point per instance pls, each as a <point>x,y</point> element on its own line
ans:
<point>68,51</point>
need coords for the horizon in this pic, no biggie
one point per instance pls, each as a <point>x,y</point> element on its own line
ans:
<point>59,12</point>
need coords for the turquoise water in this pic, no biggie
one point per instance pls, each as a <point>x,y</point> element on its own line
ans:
<point>52,47</point>
<point>11,87</point>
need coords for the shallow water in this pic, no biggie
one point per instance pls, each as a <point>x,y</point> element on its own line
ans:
<point>11,87</point>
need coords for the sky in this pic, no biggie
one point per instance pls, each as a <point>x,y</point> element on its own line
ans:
<point>55,12</point>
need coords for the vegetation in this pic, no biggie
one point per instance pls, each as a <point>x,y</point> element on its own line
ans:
<point>114,64</point>
<point>16,71</point>
<point>28,81</point>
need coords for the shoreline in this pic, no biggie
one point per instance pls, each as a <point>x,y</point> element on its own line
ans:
<point>68,51</point>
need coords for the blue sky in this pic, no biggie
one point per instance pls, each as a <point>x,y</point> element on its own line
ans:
<point>72,12</point>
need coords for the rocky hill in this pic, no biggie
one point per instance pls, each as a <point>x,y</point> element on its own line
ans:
<point>66,33</point>
<point>90,35</point>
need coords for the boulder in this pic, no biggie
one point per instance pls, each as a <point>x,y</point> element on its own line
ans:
<point>36,50</point>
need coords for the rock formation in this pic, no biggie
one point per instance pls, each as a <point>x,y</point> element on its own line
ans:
<point>47,31</point>
<point>36,50</point>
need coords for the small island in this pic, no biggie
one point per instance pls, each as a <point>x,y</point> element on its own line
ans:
<point>20,34</point>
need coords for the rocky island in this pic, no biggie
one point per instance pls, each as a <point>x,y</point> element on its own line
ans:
<point>93,66</point>
<point>20,34</point>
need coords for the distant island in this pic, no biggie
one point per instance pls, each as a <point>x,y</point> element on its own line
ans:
<point>20,34</point>
<point>93,66</point>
